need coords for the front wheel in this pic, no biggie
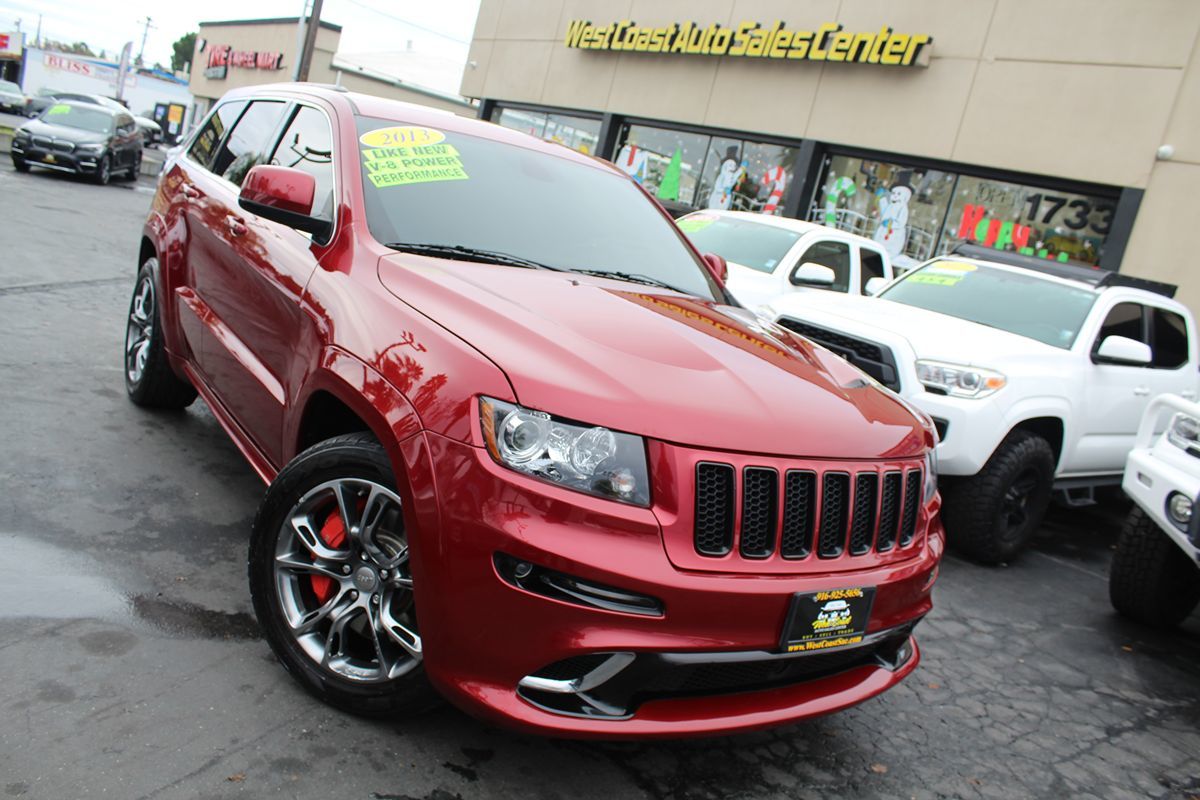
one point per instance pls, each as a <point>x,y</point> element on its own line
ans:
<point>993,514</point>
<point>331,581</point>
<point>103,171</point>
<point>19,164</point>
<point>1151,580</point>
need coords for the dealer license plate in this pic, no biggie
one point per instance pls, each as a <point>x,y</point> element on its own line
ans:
<point>827,620</point>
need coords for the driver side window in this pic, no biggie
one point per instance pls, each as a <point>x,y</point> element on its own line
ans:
<point>1125,319</point>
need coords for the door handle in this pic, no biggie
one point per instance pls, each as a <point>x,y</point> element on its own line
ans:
<point>1141,391</point>
<point>191,192</point>
<point>235,225</point>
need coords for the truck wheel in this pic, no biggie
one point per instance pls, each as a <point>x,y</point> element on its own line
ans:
<point>991,515</point>
<point>19,164</point>
<point>1151,581</point>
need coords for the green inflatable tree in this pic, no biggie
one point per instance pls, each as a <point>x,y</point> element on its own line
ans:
<point>669,188</point>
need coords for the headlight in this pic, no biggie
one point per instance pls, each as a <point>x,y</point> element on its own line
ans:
<point>21,134</point>
<point>581,457</point>
<point>931,470</point>
<point>957,380</point>
<point>1184,433</point>
<point>94,149</point>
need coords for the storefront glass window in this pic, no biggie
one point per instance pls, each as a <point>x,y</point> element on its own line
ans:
<point>1028,219</point>
<point>707,171</point>
<point>578,133</point>
<point>901,207</point>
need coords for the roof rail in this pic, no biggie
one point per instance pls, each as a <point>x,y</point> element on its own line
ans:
<point>1158,287</point>
<point>1071,270</point>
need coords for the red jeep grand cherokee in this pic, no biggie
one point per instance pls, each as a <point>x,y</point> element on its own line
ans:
<point>522,449</point>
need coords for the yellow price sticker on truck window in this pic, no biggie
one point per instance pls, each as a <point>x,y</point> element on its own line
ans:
<point>58,109</point>
<point>426,158</point>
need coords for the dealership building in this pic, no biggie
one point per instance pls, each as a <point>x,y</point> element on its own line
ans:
<point>238,53</point>
<point>1069,130</point>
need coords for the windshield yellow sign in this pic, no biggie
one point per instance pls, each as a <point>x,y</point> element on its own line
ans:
<point>751,40</point>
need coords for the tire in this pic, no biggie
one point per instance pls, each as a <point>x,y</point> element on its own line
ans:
<point>1151,580</point>
<point>19,164</point>
<point>992,515</point>
<point>135,168</point>
<point>327,600</point>
<point>149,379</point>
<point>103,172</point>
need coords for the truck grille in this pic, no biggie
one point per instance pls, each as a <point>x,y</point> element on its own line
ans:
<point>872,358</point>
<point>849,514</point>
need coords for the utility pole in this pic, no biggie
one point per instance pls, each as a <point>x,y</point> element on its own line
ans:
<point>145,32</point>
<point>310,41</point>
<point>37,40</point>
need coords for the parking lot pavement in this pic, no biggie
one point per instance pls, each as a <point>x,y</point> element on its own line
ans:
<point>132,666</point>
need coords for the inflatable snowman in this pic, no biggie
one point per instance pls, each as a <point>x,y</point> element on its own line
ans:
<point>892,230</point>
<point>633,161</point>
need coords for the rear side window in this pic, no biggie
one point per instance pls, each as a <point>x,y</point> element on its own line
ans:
<point>246,146</point>
<point>836,256</point>
<point>205,146</point>
<point>872,267</point>
<point>307,145</point>
<point>1170,345</point>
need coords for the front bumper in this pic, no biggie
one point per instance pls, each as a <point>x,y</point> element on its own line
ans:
<point>483,635</point>
<point>969,429</point>
<point>75,162</point>
<point>1152,475</point>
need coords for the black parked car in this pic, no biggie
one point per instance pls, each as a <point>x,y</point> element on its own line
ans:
<point>80,138</point>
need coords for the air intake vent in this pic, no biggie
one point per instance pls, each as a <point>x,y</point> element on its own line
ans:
<point>835,501</point>
<point>799,494</point>
<point>862,529</point>
<point>714,509</point>
<point>889,511</point>
<point>912,501</point>
<point>760,508</point>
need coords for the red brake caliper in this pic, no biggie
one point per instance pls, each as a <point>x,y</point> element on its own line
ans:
<point>333,533</point>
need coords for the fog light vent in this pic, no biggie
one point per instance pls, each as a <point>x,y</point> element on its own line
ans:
<point>569,589</point>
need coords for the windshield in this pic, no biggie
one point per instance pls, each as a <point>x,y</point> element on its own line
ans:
<point>424,186</point>
<point>756,245</point>
<point>1018,302</point>
<point>96,120</point>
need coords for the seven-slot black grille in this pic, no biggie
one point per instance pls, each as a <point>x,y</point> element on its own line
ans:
<point>833,513</point>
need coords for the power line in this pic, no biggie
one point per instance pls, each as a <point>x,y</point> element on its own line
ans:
<point>409,23</point>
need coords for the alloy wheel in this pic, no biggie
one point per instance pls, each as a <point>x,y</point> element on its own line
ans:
<point>343,582</point>
<point>139,329</point>
<point>1016,500</point>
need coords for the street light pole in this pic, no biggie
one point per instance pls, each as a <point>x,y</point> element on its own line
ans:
<point>310,41</point>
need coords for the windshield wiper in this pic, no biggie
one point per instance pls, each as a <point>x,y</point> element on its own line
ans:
<point>632,277</point>
<point>469,254</point>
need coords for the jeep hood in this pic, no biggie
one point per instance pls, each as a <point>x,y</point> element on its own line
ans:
<point>929,333</point>
<point>656,363</point>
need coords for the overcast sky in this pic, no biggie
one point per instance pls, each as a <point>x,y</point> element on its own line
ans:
<point>443,27</point>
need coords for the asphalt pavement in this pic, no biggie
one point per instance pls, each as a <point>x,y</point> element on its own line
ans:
<point>132,666</point>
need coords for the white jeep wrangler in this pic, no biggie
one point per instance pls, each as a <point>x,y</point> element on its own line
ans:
<point>1035,373</point>
<point>1155,575</point>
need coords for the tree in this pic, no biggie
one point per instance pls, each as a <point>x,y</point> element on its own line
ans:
<point>79,48</point>
<point>181,51</point>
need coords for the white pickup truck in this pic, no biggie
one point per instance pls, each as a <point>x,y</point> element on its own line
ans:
<point>769,256</point>
<point>1155,575</point>
<point>1035,374</point>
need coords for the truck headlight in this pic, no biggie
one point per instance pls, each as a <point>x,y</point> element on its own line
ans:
<point>1184,433</point>
<point>958,380</point>
<point>586,458</point>
<point>931,470</point>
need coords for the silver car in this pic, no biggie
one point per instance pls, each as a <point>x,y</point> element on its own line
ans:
<point>12,99</point>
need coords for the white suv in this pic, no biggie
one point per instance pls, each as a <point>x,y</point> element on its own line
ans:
<point>1155,576</point>
<point>769,256</point>
<point>1035,374</point>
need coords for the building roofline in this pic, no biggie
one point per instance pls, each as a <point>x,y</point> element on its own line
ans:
<point>269,21</point>
<point>338,65</point>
